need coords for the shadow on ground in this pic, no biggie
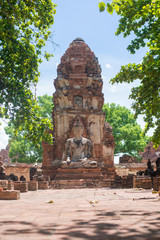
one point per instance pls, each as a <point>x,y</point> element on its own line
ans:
<point>106,225</point>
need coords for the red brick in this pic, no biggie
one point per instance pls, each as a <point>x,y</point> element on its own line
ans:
<point>32,186</point>
<point>9,195</point>
<point>21,186</point>
<point>43,185</point>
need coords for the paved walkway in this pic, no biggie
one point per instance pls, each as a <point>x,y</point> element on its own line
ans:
<point>95,214</point>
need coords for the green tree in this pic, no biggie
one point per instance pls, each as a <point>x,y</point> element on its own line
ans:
<point>24,30</point>
<point>21,149</point>
<point>127,133</point>
<point>143,19</point>
<point>46,106</point>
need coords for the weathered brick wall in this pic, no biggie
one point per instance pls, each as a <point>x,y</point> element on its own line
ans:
<point>150,153</point>
<point>129,168</point>
<point>127,159</point>
<point>18,171</point>
<point>4,153</point>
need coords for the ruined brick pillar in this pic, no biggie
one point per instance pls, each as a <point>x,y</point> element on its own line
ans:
<point>79,94</point>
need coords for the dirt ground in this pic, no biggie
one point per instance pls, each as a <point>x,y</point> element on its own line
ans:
<point>95,214</point>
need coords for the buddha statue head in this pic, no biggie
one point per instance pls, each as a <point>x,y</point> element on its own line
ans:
<point>78,129</point>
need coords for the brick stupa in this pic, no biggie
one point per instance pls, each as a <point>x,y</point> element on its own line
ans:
<point>79,95</point>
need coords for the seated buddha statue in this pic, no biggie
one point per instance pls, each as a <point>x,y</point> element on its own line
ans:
<point>78,150</point>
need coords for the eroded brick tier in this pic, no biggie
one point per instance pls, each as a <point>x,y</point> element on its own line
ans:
<point>79,95</point>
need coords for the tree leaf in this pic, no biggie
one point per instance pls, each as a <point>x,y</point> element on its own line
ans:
<point>110,8</point>
<point>101,6</point>
<point>116,7</point>
<point>130,2</point>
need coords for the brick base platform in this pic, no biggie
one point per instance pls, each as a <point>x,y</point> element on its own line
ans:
<point>9,195</point>
<point>75,184</point>
<point>84,178</point>
<point>21,186</point>
<point>79,173</point>
<point>77,178</point>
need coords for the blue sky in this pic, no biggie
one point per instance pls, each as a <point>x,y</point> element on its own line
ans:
<point>82,19</point>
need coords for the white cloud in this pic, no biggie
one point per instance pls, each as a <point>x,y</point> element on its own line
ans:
<point>113,89</point>
<point>108,65</point>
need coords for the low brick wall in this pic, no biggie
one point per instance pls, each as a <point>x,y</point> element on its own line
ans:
<point>144,182</point>
<point>18,171</point>
<point>32,186</point>
<point>9,195</point>
<point>156,183</point>
<point>21,186</point>
<point>42,185</point>
<point>124,169</point>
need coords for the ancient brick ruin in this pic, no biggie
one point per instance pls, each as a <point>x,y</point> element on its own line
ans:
<point>127,159</point>
<point>4,153</point>
<point>150,153</point>
<point>79,96</point>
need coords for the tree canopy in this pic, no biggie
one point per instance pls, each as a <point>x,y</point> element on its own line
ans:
<point>24,30</point>
<point>127,133</point>
<point>21,149</point>
<point>143,19</point>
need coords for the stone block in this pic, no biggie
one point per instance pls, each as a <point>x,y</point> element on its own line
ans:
<point>21,186</point>
<point>4,184</point>
<point>9,195</point>
<point>10,185</point>
<point>32,186</point>
<point>7,184</point>
<point>42,185</point>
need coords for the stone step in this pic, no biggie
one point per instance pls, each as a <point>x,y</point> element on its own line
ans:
<point>74,183</point>
<point>78,176</point>
<point>83,183</point>
<point>78,170</point>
